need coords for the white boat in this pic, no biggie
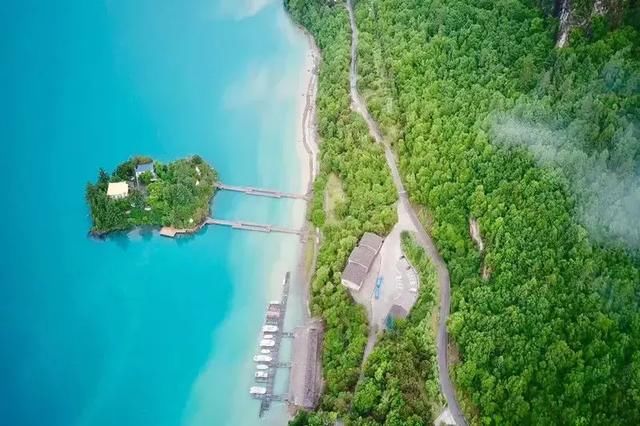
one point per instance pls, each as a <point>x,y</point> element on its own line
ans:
<point>274,302</point>
<point>265,351</point>
<point>262,358</point>
<point>268,336</point>
<point>269,328</point>
<point>262,367</point>
<point>257,390</point>
<point>267,343</point>
<point>261,374</point>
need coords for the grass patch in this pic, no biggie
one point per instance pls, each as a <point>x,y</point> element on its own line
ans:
<point>334,199</point>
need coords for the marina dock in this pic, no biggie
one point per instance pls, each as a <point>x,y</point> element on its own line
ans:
<point>261,192</point>
<point>305,369</point>
<point>274,319</point>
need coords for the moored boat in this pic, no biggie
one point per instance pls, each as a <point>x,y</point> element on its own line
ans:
<point>262,358</point>
<point>267,343</point>
<point>257,390</point>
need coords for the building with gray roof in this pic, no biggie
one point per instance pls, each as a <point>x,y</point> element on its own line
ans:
<point>305,380</point>
<point>142,168</point>
<point>353,275</point>
<point>360,261</point>
<point>396,312</point>
<point>362,256</point>
<point>371,241</point>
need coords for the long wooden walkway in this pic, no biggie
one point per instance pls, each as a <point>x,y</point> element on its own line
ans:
<point>249,190</point>
<point>250,226</point>
<point>261,192</point>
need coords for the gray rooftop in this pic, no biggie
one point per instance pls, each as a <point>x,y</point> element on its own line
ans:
<point>397,311</point>
<point>141,168</point>
<point>362,256</point>
<point>306,376</point>
<point>354,273</point>
<point>372,241</point>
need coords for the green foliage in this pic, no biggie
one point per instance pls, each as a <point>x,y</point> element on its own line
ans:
<point>552,336</point>
<point>304,418</point>
<point>179,197</point>
<point>145,178</point>
<point>349,153</point>
<point>400,382</point>
<point>125,171</point>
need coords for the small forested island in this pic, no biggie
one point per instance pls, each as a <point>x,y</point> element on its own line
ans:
<point>144,192</point>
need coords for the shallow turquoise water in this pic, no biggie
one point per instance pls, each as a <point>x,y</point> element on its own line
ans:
<point>139,330</point>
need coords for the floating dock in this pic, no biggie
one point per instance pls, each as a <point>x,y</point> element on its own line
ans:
<point>274,320</point>
<point>171,232</point>
<point>249,190</point>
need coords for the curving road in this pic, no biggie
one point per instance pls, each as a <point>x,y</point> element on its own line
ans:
<point>423,238</point>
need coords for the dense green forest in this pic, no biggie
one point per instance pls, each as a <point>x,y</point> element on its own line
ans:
<point>348,153</point>
<point>176,194</point>
<point>550,334</point>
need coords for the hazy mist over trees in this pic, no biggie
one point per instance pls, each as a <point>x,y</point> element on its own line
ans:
<point>606,184</point>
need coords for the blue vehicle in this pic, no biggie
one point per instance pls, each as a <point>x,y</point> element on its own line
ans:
<point>376,291</point>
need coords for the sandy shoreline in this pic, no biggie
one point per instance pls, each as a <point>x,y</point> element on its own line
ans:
<point>307,151</point>
<point>308,144</point>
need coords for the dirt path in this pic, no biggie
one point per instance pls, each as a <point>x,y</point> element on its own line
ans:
<point>423,238</point>
<point>309,130</point>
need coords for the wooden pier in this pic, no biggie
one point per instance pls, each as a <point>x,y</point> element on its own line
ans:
<point>261,192</point>
<point>275,315</point>
<point>250,226</point>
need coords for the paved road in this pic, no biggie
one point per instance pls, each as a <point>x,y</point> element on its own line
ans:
<point>423,238</point>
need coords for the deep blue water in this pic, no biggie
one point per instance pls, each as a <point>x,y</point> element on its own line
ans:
<point>138,329</point>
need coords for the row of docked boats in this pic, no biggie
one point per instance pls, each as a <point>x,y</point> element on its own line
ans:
<point>268,350</point>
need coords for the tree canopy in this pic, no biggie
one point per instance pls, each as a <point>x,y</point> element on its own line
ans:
<point>176,194</point>
<point>546,318</point>
<point>552,334</point>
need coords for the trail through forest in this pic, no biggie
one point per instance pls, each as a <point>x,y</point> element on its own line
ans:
<point>422,237</point>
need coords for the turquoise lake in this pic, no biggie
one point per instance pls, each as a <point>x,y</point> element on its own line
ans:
<point>140,329</point>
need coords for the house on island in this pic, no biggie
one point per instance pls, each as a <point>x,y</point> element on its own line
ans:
<point>118,190</point>
<point>360,261</point>
<point>147,167</point>
<point>144,168</point>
